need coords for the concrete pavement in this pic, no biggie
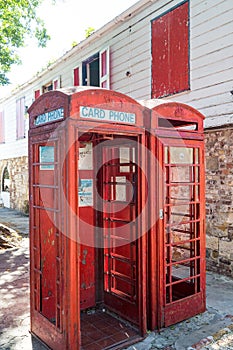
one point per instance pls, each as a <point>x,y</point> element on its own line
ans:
<point>212,330</point>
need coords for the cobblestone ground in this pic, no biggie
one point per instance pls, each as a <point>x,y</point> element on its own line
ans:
<point>182,335</point>
<point>212,330</point>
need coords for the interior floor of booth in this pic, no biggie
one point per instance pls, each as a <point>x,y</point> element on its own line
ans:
<point>101,329</point>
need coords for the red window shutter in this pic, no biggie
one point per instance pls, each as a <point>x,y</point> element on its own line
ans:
<point>20,110</point>
<point>55,85</point>
<point>170,52</point>
<point>37,94</point>
<point>2,128</point>
<point>104,69</point>
<point>160,58</point>
<point>103,63</point>
<point>104,85</point>
<point>76,77</point>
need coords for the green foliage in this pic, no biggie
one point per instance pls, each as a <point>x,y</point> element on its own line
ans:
<point>89,31</point>
<point>18,20</point>
<point>74,43</point>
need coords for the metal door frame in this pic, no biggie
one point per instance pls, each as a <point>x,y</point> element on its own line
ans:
<point>111,171</point>
<point>127,131</point>
<point>40,325</point>
<point>175,311</point>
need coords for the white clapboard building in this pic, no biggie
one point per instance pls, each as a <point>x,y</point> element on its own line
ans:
<point>180,50</point>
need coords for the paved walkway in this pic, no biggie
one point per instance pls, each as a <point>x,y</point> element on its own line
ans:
<point>212,330</point>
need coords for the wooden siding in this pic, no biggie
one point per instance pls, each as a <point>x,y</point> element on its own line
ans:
<point>2,128</point>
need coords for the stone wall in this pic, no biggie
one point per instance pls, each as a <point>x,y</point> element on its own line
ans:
<point>18,171</point>
<point>219,200</point>
<point>219,196</point>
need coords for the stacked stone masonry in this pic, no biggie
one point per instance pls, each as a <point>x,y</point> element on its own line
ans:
<point>219,200</point>
<point>219,196</point>
<point>18,174</point>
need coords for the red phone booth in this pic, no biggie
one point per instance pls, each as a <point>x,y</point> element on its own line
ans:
<point>176,246</point>
<point>88,213</point>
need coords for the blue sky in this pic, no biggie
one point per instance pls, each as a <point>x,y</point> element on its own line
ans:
<point>66,22</point>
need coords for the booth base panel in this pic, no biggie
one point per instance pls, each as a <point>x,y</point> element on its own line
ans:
<point>102,330</point>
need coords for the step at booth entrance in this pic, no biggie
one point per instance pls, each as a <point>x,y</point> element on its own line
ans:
<point>176,245</point>
<point>87,219</point>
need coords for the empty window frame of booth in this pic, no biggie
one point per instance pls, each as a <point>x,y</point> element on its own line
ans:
<point>182,222</point>
<point>119,188</point>
<point>2,128</point>
<point>20,118</point>
<point>46,238</point>
<point>170,52</point>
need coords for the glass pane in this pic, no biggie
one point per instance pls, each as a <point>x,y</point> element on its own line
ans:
<point>127,155</point>
<point>180,194</point>
<point>181,155</point>
<point>181,174</point>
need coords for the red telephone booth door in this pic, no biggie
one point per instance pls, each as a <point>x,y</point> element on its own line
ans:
<point>120,211</point>
<point>119,271</point>
<point>47,300</point>
<point>181,224</point>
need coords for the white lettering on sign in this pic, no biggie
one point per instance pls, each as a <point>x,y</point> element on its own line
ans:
<point>48,117</point>
<point>109,115</point>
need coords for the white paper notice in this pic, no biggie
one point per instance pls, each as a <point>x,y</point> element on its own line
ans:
<point>85,193</point>
<point>86,156</point>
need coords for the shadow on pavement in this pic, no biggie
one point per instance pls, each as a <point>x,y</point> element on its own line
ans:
<point>14,296</point>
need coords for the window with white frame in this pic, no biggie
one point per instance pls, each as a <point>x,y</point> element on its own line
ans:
<point>94,71</point>
<point>47,87</point>
<point>51,85</point>
<point>104,69</point>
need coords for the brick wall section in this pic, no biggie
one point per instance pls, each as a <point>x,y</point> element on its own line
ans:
<point>18,171</point>
<point>219,200</point>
